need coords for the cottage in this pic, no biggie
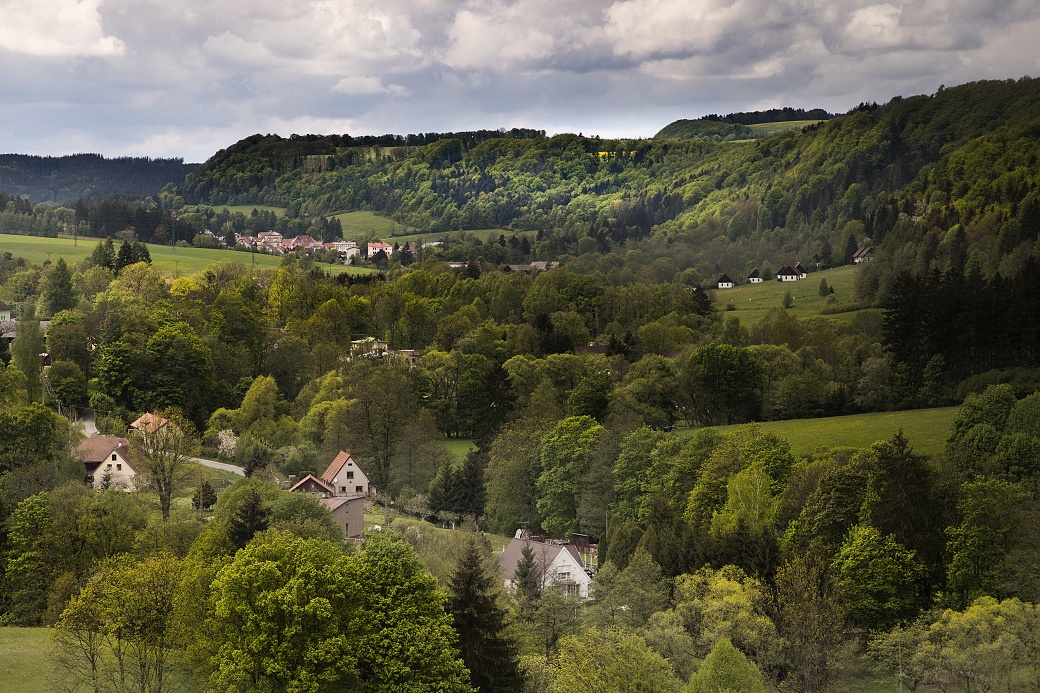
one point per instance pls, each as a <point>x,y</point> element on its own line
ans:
<point>106,462</point>
<point>375,246</point>
<point>346,477</point>
<point>802,272</point>
<point>724,282</point>
<point>755,277</point>
<point>312,484</point>
<point>787,274</point>
<point>559,565</point>
<point>864,254</point>
<point>5,312</point>
<point>349,513</point>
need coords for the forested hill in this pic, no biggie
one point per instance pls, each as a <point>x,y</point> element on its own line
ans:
<point>69,178</point>
<point>735,125</point>
<point>965,155</point>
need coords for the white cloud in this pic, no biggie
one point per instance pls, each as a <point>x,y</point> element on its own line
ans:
<point>366,84</point>
<point>56,28</point>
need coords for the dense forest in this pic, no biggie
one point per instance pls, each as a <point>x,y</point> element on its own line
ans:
<point>591,396</point>
<point>65,179</point>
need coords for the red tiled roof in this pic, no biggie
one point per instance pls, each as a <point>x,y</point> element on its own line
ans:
<point>337,464</point>
<point>149,422</point>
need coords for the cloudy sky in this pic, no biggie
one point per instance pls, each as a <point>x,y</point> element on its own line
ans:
<point>184,78</point>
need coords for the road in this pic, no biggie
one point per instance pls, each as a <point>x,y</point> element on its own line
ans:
<point>86,417</point>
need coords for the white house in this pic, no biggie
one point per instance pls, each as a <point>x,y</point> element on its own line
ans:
<point>864,254</point>
<point>755,277</point>
<point>5,311</point>
<point>724,282</point>
<point>375,246</point>
<point>106,462</point>
<point>346,478</point>
<point>559,565</point>
<point>787,274</point>
<point>802,272</point>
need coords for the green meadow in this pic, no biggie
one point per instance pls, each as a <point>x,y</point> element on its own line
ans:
<point>926,429</point>
<point>247,210</point>
<point>365,225</point>
<point>752,301</point>
<point>168,261</point>
<point>25,659</point>
<point>766,129</point>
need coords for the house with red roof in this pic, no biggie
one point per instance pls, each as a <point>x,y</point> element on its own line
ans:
<point>346,478</point>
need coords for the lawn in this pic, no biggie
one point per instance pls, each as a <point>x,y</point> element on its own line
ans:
<point>926,429</point>
<point>458,448</point>
<point>247,210</point>
<point>25,660</point>
<point>364,225</point>
<point>164,258</point>
<point>752,301</point>
<point>781,126</point>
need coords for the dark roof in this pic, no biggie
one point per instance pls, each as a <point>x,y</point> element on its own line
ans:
<point>544,555</point>
<point>96,450</point>
<point>798,268</point>
<point>755,274</point>
<point>312,480</point>
<point>786,270</point>
<point>865,250</point>
<point>725,278</point>
<point>4,306</point>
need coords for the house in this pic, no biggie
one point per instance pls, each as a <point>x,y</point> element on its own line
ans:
<point>864,254</point>
<point>345,249</point>
<point>349,513</point>
<point>149,422</point>
<point>375,246</point>
<point>312,484</point>
<point>802,272</point>
<point>106,462</point>
<point>817,260</point>
<point>559,564</point>
<point>270,239</point>
<point>5,312</point>
<point>787,274</point>
<point>724,282</point>
<point>346,477</point>
<point>755,277</point>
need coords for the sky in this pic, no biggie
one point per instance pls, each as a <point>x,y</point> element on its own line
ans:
<point>185,78</point>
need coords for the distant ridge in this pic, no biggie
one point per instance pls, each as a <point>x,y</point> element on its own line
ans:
<point>736,126</point>
<point>66,179</point>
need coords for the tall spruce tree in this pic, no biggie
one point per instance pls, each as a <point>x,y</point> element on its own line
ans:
<point>250,518</point>
<point>473,602</point>
<point>58,291</point>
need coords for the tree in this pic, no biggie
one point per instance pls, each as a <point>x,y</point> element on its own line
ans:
<point>565,452</point>
<point>30,567</point>
<point>250,518</point>
<point>788,299</point>
<point>810,621</point>
<point>726,670</point>
<point>206,498</point>
<point>25,355</point>
<point>118,632</point>
<point>58,292</point>
<point>630,597</point>
<point>825,290</point>
<point>480,621</point>
<point>610,661</point>
<point>159,450</point>
<point>877,578</point>
<point>66,383</point>
<point>721,383</point>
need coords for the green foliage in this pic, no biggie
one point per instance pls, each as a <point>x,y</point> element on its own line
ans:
<point>480,621</point>
<point>565,455</point>
<point>726,669</point>
<point>609,661</point>
<point>876,577</point>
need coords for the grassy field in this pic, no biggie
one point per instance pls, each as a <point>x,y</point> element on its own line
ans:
<point>752,301</point>
<point>363,225</point>
<point>169,262</point>
<point>926,430</point>
<point>24,660</point>
<point>782,126</point>
<point>458,448</point>
<point>247,210</point>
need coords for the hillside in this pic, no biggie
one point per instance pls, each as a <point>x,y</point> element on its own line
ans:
<point>65,179</point>
<point>843,181</point>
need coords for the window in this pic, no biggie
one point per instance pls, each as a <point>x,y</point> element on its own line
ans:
<point>108,466</point>
<point>564,575</point>
<point>113,457</point>
<point>119,467</point>
<point>342,489</point>
<point>359,489</point>
<point>350,475</point>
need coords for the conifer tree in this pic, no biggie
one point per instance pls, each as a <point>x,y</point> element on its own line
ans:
<point>480,621</point>
<point>58,291</point>
<point>526,580</point>
<point>250,518</point>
